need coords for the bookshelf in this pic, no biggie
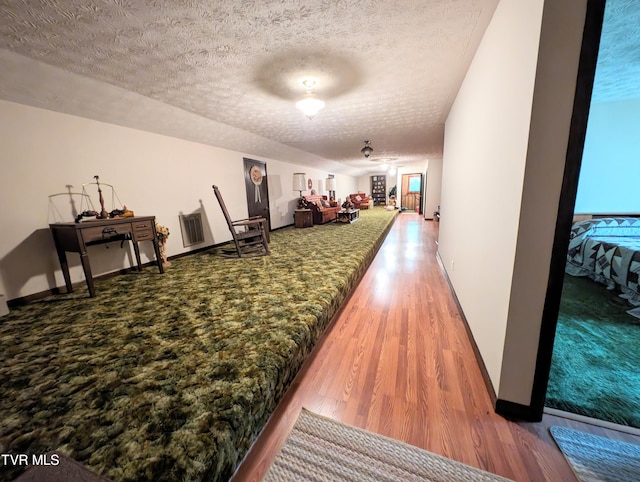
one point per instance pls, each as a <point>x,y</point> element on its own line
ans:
<point>379,190</point>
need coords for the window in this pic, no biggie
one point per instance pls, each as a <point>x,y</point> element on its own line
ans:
<point>414,184</point>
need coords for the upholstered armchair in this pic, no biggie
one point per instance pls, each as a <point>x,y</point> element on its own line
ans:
<point>360,200</point>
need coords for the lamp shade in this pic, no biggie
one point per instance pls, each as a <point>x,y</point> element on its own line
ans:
<point>299,181</point>
<point>331,184</point>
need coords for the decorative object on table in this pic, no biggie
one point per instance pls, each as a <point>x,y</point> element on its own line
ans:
<point>598,459</point>
<point>115,213</point>
<point>103,212</point>
<point>320,445</point>
<point>121,213</point>
<point>299,180</point>
<point>86,214</point>
<point>331,187</point>
<point>163,236</point>
<point>367,149</point>
<point>347,204</point>
<point>89,212</point>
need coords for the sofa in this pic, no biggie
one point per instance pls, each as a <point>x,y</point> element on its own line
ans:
<point>360,200</point>
<point>322,210</point>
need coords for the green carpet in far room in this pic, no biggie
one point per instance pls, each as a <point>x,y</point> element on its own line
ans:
<point>595,369</point>
<point>171,377</point>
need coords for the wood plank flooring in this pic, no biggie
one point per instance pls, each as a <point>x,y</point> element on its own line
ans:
<point>397,361</point>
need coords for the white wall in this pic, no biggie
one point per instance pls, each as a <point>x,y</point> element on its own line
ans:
<point>557,70</point>
<point>483,168</point>
<point>433,187</point>
<point>345,185</point>
<point>44,151</point>
<point>610,171</point>
<point>505,142</point>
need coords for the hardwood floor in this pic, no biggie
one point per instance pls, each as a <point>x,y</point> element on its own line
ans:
<point>397,361</point>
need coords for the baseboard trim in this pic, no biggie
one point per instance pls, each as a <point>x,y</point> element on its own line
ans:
<point>23,300</point>
<point>476,351</point>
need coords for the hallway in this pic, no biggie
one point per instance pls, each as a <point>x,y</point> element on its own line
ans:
<point>397,360</point>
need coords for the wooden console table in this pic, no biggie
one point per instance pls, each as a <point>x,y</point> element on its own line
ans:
<point>75,237</point>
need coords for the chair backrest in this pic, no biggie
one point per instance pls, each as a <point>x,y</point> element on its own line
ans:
<point>224,208</point>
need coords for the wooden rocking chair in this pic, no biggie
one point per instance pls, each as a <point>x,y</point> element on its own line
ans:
<point>249,235</point>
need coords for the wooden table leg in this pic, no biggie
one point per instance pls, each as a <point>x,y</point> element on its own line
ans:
<point>84,259</point>
<point>136,250</point>
<point>64,264</point>
<point>156,248</point>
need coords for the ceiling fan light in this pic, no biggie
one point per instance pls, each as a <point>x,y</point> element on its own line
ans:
<point>367,149</point>
<point>310,105</point>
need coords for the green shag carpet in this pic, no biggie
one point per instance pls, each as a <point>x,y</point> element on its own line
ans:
<point>595,370</point>
<point>172,377</point>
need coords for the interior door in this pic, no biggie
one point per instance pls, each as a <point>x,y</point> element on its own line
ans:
<point>411,193</point>
<point>255,180</point>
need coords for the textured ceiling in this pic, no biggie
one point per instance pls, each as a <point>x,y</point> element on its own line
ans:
<point>228,72</point>
<point>212,71</point>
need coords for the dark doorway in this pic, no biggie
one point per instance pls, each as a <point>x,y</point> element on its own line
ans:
<point>255,180</point>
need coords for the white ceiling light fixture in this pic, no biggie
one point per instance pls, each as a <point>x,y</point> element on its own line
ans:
<point>310,105</point>
<point>392,169</point>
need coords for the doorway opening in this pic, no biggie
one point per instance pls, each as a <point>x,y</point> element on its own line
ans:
<point>595,367</point>
<point>411,192</point>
